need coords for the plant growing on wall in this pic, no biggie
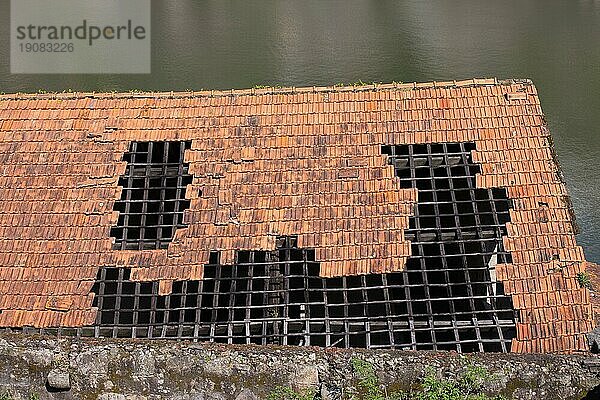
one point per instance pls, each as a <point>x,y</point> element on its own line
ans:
<point>469,386</point>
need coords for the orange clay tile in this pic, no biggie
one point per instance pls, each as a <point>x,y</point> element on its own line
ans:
<point>304,162</point>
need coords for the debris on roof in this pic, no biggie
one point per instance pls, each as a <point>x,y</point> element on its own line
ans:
<point>356,175</point>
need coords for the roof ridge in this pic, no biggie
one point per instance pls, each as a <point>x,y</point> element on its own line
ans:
<point>269,90</point>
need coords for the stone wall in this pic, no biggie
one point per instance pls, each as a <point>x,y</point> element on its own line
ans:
<point>33,367</point>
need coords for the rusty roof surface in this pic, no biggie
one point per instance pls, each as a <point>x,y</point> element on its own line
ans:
<point>295,161</point>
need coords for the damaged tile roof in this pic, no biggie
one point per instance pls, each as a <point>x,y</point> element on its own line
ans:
<point>305,162</point>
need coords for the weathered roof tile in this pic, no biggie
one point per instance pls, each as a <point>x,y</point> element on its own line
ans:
<point>61,156</point>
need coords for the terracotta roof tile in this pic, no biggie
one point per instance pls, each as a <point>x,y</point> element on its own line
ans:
<point>304,162</point>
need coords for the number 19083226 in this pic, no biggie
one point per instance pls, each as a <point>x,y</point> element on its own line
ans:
<point>46,47</point>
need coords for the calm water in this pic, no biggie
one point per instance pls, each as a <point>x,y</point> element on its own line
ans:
<point>225,44</point>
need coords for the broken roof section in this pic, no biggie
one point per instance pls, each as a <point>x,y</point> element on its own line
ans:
<point>304,163</point>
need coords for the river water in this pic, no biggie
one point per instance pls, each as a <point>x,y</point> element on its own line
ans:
<point>225,44</point>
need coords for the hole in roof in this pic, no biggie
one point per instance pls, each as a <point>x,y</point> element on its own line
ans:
<point>153,196</point>
<point>447,298</point>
